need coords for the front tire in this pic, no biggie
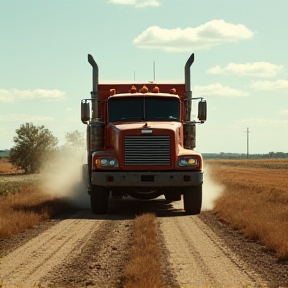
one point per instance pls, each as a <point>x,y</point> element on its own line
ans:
<point>193,200</point>
<point>99,200</point>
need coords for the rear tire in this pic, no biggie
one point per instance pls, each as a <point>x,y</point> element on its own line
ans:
<point>99,199</point>
<point>193,200</point>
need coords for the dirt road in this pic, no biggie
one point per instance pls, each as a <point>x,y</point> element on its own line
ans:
<point>84,250</point>
<point>200,258</point>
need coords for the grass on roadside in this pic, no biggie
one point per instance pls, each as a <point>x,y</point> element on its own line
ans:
<point>255,201</point>
<point>144,269</point>
<point>13,187</point>
<point>26,209</point>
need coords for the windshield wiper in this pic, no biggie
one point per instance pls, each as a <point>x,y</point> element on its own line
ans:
<point>163,118</point>
<point>130,118</point>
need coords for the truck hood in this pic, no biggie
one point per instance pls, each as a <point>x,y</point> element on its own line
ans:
<point>115,133</point>
<point>163,135</point>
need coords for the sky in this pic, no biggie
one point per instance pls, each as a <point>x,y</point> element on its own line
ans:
<point>240,67</point>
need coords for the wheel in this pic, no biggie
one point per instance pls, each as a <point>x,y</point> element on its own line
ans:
<point>99,200</point>
<point>193,200</point>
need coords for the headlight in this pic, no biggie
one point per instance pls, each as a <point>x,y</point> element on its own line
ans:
<point>106,162</point>
<point>103,162</point>
<point>187,161</point>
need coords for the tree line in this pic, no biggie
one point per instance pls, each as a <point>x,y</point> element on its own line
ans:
<point>223,155</point>
<point>36,145</point>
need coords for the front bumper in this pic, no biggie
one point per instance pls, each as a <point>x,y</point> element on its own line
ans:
<point>147,179</point>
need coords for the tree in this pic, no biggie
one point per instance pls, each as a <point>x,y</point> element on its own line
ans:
<point>33,147</point>
<point>75,140</point>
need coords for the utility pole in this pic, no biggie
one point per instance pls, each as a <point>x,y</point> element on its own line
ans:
<point>247,132</point>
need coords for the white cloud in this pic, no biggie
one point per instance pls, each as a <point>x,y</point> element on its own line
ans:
<point>271,85</point>
<point>258,69</point>
<point>136,3</point>
<point>218,89</point>
<point>74,118</point>
<point>41,94</point>
<point>5,97</point>
<point>147,3</point>
<point>25,118</point>
<point>205,36</point>
<point>264,122</point>
<point>283,112</point>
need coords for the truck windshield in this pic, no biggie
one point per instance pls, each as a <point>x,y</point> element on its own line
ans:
<point>144,109</point>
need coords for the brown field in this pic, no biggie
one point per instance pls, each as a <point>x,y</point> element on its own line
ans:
<point>8,168</point>
<point>255,199</point>
<point>26,209</point>
<point>256,163</point>
<point>23,204</point>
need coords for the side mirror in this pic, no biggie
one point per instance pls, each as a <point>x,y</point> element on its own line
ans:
<point>202,110</point>
<point>85,111</point>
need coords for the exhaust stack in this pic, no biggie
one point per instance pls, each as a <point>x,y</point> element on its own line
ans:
<point>94,92</point>
<point>189,127</point>
<point>188,92</point>
<point>96,128</point>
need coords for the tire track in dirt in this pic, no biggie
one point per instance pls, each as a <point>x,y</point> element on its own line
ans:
<point>100,262</point>
<point>26,265</point>
<point>199,258</point>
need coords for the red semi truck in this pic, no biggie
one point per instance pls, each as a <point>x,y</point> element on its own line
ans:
<point>141,142</point>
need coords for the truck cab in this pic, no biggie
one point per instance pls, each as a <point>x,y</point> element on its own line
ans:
<point>141,142</point>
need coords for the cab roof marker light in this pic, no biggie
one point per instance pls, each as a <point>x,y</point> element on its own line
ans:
<point>173,91</point>
<point>133,90</point>
<point>144,89</point>
<point>112,92</point>
<point>156,89</point>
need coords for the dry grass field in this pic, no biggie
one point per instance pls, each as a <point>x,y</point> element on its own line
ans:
<point>255,199</point>
<point>22,203</point>
<point>26,209</point>
<point>8,168</point>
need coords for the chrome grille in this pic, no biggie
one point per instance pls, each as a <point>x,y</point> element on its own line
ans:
<point>147,150</point>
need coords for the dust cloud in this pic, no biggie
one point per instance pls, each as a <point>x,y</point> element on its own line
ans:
<point>64,179</point>
<point>211,190</point>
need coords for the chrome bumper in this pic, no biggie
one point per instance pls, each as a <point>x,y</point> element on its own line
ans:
<point>147,179</point>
